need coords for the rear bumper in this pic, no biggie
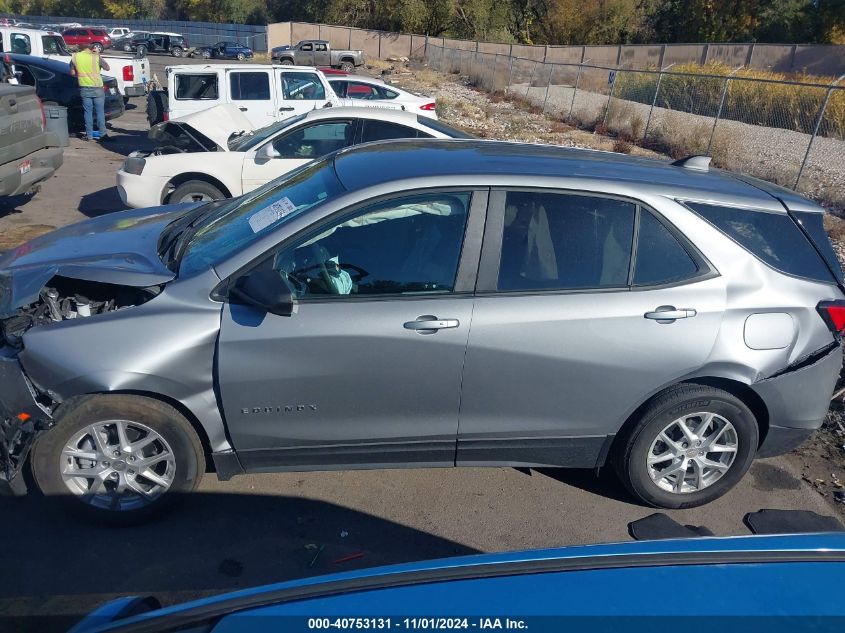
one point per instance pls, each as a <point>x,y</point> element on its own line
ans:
<point>22,419</point>
<point>797,402</point>
<point>43,163</point>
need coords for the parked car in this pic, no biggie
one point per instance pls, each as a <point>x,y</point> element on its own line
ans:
<point>159,44</point>
<point>224,50</point>
<point>29,154</point>
<point>496,303</point>
<point>264,93</point>
<point>317,53</point>
<point>131,75</point>
<point>83,37</point>
<point>54,84</point>
<point>777,577</point>
<point>360,91</point>
<point>118,31</point>
<point>201,160</point>
<point>124,42</point>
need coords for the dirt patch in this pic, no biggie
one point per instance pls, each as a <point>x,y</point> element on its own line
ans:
<point>13,237</point>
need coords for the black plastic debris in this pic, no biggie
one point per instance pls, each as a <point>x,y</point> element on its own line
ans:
<point>659,526</point>
<point>790,522</point>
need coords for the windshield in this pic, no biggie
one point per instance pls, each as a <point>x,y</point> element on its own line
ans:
<point>234,226</point>
<point>54,45</point>
<point>248,141</point>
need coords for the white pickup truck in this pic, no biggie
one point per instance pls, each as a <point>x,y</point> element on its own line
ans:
<point>264,93</point>
<point>131,74</point>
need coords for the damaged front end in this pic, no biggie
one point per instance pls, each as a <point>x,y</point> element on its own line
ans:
<point>25,409</point>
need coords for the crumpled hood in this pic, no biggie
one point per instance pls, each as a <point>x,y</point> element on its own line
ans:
<point>118,248</point>
<point>217,124</point>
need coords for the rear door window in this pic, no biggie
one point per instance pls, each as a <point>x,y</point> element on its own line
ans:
<point>199,86</point>
<point>772,237</point>
<point>249,86</point>
<point>557,241</point>
<point>660,257</point>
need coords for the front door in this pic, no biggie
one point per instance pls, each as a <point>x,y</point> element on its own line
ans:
<point>297,147</point>
<point>322,56</point>
<point>301,91</point>
<point>250,91</point>
<point>305,55</point>
<point>564,343</point>
<point>367,371</point>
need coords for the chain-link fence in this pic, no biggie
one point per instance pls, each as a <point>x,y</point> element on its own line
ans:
<point>787,132</point>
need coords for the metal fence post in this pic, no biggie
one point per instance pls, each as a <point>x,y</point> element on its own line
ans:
<point>654,100</point>
<point>610,98</point>
<point>510,72</point>
<point>575,89</point>
<point>818,125</point>
<point>548,87</point>
<point>721,105</point>
<point>531,79</point>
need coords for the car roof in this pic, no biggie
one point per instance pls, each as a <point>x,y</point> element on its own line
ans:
<point>42,62</point>
<point>380,114</point>
<point>479,161</point>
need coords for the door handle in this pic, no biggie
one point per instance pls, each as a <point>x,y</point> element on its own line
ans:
<point>286,109</point>
<point>668,314</point>
<point>428,324</point>
<point>242,109</point>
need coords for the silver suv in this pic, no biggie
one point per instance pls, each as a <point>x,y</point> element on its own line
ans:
<point>425,303</point>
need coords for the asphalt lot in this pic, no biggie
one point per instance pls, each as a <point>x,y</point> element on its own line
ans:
<point>262,528</point>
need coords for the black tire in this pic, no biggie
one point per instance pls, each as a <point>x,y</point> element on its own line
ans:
<point>241,57</point>
<point>206,54</point>
<point>630,458</point>
<point>197,188</point>
<point>166,421</point>
<point>98,47</point>
<point>142,51</point>
<point>176,51</point>
<point>286,62</point>
<point>156,106</point>
<point>347,67</point>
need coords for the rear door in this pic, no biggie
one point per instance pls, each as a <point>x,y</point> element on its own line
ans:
<point>250,91</point>
<point>565,344</point>
<point>300,91</point>
<point>297,147</point>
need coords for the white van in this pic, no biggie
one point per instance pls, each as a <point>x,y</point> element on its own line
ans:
<point>132,75</point>
<point>264,93</point>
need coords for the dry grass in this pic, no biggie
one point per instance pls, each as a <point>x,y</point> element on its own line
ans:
<point>14,237</point>
<point>378,64</point>
<point>621,146</point>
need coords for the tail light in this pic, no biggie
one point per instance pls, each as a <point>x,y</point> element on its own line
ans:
<point>428,107</point>
<point>43,114</point>
<point>165,116</point>
<point>128,73</point>
<point>833,314</point>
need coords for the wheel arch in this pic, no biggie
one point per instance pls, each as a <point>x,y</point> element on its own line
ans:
<point>734,387</point>
<point>184,177</point>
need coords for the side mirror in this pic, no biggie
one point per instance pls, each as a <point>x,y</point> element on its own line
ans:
<point>267,152</point>
<point>264,289</point>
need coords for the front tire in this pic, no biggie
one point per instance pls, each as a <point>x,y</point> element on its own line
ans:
<point>195,191</point>
<point>98,48</point>
<point>118,458</point>
<point>176,51</point>
<point>690,446</point>
<point>286,62</point>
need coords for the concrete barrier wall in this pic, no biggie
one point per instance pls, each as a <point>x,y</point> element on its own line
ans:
<point>812,59</point>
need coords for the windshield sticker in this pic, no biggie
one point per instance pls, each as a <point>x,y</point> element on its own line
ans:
<point>267,216</point>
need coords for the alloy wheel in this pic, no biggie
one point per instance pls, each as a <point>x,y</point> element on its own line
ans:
<point>118,465</point>
<point>692,452</point>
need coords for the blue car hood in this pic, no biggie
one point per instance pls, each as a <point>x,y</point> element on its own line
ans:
<point>118,248</point>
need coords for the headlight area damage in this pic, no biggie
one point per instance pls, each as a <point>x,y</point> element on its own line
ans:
<point>26,410</point>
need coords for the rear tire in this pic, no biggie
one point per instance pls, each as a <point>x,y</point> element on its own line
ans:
<point>347,67</point>
<point>142,51</point>
<point>195,191</point>
<point>206,55</point>
<point>118,492</point>
<point>689,473</point>
<point>241,57</point>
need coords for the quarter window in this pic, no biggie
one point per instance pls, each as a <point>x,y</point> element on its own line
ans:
<point>197,87</point>
<point>407,246</point>
<point>660,257</point>
<point>562,241</point>
<point>299,86</point>
<point>249,86</point>
<point>772,237</point>
<point>314,140</point>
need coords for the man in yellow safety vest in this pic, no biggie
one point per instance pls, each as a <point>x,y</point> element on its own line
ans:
<point>86,66</point>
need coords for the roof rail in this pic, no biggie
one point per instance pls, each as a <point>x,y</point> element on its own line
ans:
<point>696,163</point>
